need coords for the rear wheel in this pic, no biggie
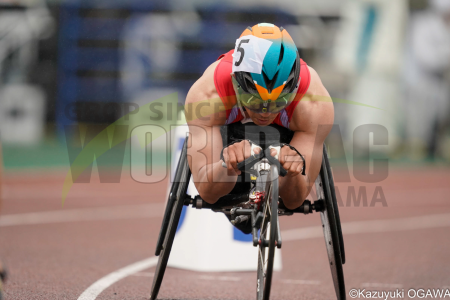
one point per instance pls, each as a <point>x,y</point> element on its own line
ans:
<point>335,205</point>
<point>172,225</point>
<point>330,231</point>
<point>172,198</point>
<point>268,236</point>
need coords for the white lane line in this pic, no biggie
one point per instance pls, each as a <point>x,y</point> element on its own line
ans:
<point>381,285</point>
<point>376,226</point>
<point>84,214</point>
<point>293,281</point>
<point>425,222</point>
<point>100,285</point>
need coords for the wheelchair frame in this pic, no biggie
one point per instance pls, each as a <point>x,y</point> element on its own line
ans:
<point>326,205</point>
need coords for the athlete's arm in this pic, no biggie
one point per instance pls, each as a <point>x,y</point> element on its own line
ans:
<point>312,121</point>
<point>205,114</point>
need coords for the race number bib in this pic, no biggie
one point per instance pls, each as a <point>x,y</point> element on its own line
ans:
<point>249,54</point>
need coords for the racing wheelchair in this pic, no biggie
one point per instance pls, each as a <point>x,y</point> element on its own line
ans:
<point>256,201</point>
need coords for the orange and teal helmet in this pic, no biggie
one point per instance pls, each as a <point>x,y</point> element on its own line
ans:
<point>276,85</point>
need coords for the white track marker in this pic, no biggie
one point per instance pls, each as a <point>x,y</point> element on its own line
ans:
<point>100,285</point>
<point>381,285</point>
<point>423,222</point>
<point>389,225</point>
<point>84,214</point>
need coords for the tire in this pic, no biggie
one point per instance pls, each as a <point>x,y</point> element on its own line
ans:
<point>172,225</point>
<point>3,277</point>
<point>330,230</point>
<point>268,232</point>
<point>171,199</point>
<point>335,204</point>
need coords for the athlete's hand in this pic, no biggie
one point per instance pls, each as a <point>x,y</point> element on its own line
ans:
<point>237,153</point>
<point>289,159</point>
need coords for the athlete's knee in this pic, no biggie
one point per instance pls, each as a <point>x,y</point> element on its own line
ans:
<point>293,196</point>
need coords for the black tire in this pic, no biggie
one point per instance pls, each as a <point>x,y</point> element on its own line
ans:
<point>268,231</point>
<point>330,230</point>
<point>172,224</point>
<point>171,199</point>
<point>335,204</point>
<point>3,277</point>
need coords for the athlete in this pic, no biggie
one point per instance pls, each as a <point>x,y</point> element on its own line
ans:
<point>264,81</point>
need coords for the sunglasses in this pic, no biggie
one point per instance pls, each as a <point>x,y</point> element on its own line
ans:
<point>256,104</point>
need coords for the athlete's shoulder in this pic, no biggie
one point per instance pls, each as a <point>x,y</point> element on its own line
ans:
<point>223,82</point>
<point>222,77</point>
<point>316,86</point>
<point>210,76</point>
<point>204,87</point>
<point>305,78</point>
<point>203,104</point>
<point>316,107</point>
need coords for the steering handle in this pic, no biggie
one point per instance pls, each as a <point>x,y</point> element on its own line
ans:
<point>274,160</point>
<point>247,164</point>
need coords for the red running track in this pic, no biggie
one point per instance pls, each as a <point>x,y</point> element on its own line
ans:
<point>56,252</point>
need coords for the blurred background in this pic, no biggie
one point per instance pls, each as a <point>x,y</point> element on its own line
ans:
<point>78,62</point>
<point>70,68</point>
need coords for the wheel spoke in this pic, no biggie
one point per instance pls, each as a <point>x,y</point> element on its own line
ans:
<point>263,227</point>
<point>261,256</point>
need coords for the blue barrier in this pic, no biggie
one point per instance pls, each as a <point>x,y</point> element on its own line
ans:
<point>91,47</point>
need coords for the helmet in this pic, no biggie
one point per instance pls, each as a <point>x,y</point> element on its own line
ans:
<point>275,86</point>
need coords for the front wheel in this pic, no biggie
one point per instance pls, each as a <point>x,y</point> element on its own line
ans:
<point>268,236</point>
<point>175,213</point>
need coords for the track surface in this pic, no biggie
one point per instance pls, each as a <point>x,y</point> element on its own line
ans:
<point>56,252</point>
